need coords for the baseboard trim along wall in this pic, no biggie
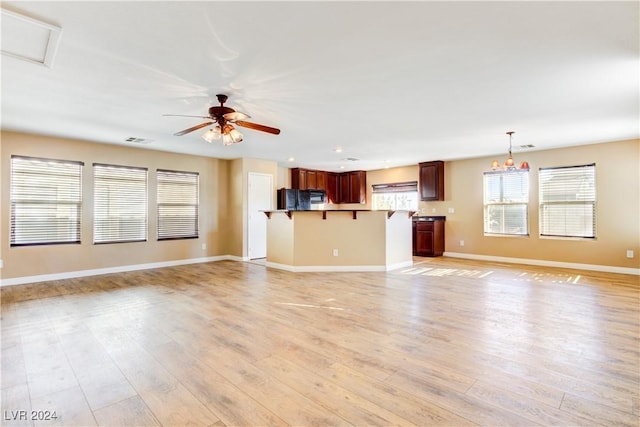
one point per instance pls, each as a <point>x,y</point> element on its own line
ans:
<point>336,268</point>
<point>546,263</point>
<point>109,270</point>
<point>312,268</point>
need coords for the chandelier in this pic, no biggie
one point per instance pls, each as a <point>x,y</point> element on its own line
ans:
<point>509,164</point>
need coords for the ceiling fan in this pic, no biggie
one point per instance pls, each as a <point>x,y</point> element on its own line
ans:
<point>224,119</point>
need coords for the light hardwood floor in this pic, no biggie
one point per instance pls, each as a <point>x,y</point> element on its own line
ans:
<point>446,342</point>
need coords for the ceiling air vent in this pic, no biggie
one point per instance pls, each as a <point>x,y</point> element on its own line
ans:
<point>138,140</point>
<point>29,39</point>
<point>350,159</point>
<point>525,146</point>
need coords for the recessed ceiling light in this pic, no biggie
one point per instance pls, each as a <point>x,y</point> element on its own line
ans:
<point>338,150</point>
<point>291,159</point>
<point>341,166</point>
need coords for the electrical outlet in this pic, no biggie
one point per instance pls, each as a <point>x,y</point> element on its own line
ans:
<point>629,253</point>
<point>451,210</point>
<point>204,246</point>
<point>335,252</point>
<point>461,242</point>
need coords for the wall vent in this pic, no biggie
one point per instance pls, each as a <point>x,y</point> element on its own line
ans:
<point>138,140</point>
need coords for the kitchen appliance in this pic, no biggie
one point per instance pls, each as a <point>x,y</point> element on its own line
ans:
<point>300,200</point>
<point>317,197</point>
<point>294,200</point>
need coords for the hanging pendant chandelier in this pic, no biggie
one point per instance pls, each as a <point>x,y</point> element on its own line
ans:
<point>509,164</point>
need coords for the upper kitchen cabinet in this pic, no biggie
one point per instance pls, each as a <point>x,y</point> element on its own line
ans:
<point>299,179</point>
<point>432,181</point>
<point>345,187</point>
<point>308,179</point>
<point>333,187</point>
<point>353,187</point>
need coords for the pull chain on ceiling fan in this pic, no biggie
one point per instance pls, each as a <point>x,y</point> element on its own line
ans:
<point>224,118</point>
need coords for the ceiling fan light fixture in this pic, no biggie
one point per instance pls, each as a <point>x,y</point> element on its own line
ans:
<point>212,134</point>
<point>230,135</point>
<point>235,136</point>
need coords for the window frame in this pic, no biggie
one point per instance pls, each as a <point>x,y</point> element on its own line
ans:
<point>127,198</point>
<point>161,203</point>
<point>74,237</point>
<point>503,202</point>
<point>542,203</point>
<point>409,187</point>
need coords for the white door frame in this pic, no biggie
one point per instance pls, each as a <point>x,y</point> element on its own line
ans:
<point>257,221</point>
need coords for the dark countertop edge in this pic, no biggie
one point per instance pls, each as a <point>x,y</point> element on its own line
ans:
<point>430,218</point>
<point>336,210</point>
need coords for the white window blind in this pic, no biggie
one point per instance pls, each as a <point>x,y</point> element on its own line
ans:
<point>177,205</point>
<point>568,201</point>
<point>506,202</point>
<point>120,204</point>
<point>46,201</point>
<point>395,196</point>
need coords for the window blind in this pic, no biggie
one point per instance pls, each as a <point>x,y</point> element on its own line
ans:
<point>394,196</point>
<point>568,201</point>
<point>120,204</point>
<point>46,201</point>
<point>178,204</point>
<point>506,202</point>
<point>396,187</point>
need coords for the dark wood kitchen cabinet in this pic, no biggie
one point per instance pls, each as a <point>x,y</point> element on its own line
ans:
<point>333,187</point>
<point>353,187</point>
<point>432,181</point>
<point>346,187</point>
<point>299,179</point>
<point>308,179</point>
<point>428,237</point>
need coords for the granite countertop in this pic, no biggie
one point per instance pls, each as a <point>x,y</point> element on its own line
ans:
<point>430,218</point>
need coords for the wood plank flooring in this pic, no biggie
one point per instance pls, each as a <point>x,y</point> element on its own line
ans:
<point>445,342</point>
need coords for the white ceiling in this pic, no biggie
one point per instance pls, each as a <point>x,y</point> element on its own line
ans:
<point>391,83</point>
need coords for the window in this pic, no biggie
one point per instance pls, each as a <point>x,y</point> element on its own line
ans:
<point>400,195</point>
<point>46,201</point>
<point>177,205</point>
<point>120,204</point>
<point>568,201</point>
<point>506,202</point>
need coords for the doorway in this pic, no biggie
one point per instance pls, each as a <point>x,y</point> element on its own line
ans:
<point>260,198</point>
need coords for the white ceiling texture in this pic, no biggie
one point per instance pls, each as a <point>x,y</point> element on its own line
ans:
<point>390,83</point>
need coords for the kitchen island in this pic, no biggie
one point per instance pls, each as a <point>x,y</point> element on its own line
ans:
<point>339,240</point>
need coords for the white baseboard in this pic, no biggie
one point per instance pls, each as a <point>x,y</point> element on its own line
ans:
<point>311,268</point>
<point>336,268</point>
<point>546,263</point>
<point>109,270</point>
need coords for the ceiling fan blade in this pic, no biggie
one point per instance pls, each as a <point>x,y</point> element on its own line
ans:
<point>184,115</point>
<point>235,116</point>
<point>256,126</point>
<point>191,129</point>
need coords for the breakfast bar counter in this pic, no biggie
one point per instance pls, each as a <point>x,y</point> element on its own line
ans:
<point>339,240</point>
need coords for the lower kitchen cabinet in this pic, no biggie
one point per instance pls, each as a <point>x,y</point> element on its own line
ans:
<point>428,237</point>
